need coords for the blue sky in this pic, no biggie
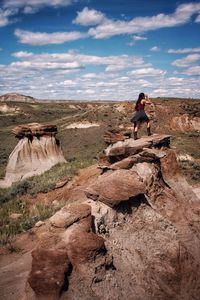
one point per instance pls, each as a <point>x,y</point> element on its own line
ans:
<point>100,50</point>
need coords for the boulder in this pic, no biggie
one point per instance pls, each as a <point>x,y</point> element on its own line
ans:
<point>115,187</point>
<point>85,247</point>
<point>47,276</point>
<point>70,214</point>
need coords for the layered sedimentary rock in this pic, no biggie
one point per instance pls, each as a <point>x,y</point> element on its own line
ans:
<point>36,152</point>
<point>14,97</point>
<point>136,237</point>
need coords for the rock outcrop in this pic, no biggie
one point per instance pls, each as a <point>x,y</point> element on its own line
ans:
<point>14,97</point>
<point>186,123</point>
<point>136,237</point>
<point>36,152</point>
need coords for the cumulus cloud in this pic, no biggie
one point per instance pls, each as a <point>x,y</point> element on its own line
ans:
<point>118,61</point>
<point>109,28</point>
<point>186,61</point>
<point>44,38</point>
<point>155,49</point>
<point>62,77</point>
<point>184,50</point>
<point>143,72</point>
<point>88,17</point>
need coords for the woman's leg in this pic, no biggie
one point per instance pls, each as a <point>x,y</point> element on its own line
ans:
<point>148,128</point>
<point>135,130</point>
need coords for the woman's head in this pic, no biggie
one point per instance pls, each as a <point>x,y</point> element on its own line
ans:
<point>141,96</point>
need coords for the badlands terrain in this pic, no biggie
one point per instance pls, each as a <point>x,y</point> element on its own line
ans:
<point>115,218</point>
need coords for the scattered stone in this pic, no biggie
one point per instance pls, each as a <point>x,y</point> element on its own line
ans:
<point>70,214</point>
<point>39,224</point>
<point>62,182</point>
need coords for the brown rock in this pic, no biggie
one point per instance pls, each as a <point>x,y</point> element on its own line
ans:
<point>70,214</point>
<point>115,187</point>
<point>34,129</point>
<point>85,247</point>
<point>131,147</point>
<point>48,271</point>
<point>114,135</point>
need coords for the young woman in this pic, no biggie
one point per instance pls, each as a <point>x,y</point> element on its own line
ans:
<point>140,115</point>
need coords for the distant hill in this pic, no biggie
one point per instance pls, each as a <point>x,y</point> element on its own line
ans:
<point>14,97</point>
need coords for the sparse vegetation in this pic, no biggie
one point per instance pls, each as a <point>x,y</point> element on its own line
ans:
<point>26,217</point>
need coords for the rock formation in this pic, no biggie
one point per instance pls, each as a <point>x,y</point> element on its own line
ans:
<point>136,237</point>
<point>14,97</point>
<point>36,152</point>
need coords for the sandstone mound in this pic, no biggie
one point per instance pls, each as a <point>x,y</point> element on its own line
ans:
<point>136,237</point>
<point>36,152</point>
<point>14,97</point>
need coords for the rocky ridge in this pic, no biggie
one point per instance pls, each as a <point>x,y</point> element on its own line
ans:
<point>135,237</point>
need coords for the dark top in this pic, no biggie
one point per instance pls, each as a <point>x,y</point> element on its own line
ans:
<point>140,106</point>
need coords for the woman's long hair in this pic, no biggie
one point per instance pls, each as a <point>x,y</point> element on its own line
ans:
<point>140,97</point>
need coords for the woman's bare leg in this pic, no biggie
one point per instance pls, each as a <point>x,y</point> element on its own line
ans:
<point>148,128</point>
<point>135,130</point>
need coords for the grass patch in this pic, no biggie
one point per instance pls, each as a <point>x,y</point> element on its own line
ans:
<point>45,182</point>
<point>28,216</point>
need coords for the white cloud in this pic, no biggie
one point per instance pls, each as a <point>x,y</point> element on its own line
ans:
<point>109,28</point>
<point>35,4</point>
<point>139,38</point>
<point>193,71</point>
<point>45,65</point>
<point>184,50</point>
<point>197,20</point>
<point>186,61</point>
<point>5,15</point>
<point>155,49</point>
<point>44,38</point>
<point>62,76</point>
<point>118,61</point>
<point>136,38</point>
<point>88,17</point>
<point>147,72</point>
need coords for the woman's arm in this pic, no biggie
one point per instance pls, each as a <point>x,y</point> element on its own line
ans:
<point>147,100</point>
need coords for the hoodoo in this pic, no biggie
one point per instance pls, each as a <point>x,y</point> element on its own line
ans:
<point>37,151</point>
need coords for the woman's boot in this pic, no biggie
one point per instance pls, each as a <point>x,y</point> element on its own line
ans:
<point>148,131</point>
<point>135,135</point>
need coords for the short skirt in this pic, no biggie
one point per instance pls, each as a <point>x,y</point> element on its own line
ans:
<point>140,116</point>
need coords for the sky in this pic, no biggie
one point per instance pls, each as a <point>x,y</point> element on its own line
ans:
<point>100,49</point>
